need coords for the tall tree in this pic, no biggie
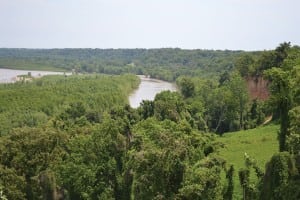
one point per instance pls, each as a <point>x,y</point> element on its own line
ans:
<point>238,87</point>
<point>281,95</point>
<point>284,87</point>
<point>187,87</point>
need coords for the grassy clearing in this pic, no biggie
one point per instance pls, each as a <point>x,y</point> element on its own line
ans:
<point>260,143</point>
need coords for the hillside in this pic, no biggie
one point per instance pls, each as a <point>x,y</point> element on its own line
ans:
<point>259,143</point>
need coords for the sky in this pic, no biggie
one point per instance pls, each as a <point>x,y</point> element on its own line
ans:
<point>187,24</point>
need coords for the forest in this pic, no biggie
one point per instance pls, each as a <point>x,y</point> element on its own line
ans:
<point>76,137</point>
<point>165,64</point>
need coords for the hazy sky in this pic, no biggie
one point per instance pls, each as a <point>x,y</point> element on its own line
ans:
<point>188,24</point>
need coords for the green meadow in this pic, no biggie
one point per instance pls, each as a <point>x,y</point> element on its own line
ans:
<point>259,143</point>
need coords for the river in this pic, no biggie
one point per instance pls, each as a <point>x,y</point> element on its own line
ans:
<point>9,75</point>
<point>147,90</point>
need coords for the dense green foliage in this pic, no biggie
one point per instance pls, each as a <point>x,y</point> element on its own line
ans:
<point>166,64</point>
<point>47,113</point>
<point>255,63</point>
<point>33,104</point>
<point>76,137</point>
<point>219,106</point>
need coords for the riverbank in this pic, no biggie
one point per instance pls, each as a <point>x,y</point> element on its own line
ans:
<point>18,65</point>
<point>11,75</point>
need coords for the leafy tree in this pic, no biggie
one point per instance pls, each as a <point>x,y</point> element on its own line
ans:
<point>266,60</point>
<point>293,139</point>
<point>256,114</point>
<point>244,65</point>
<point>222,108</point>
<point>158,165</point>
<point>284,87</point>
<point>245,183</point>
<point>146,109</point>
<point>282,52</point>
<point>75,110</point>
<point>226,105</point>
<point>12,185</point>
<point>224,78</point>
<point>187,87</point>
<point>281,89</point>
<point>169,162</point>
<point>229,176</point>
<point>169,105</point>
<point>250,189</point>
<point>94,167</point>
<point>202,180</point>
<point>278,178</point>
<point>26,154</point>
<point>238,87</point>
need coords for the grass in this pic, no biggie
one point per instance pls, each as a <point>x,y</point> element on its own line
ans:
<point>259,143</point>
<point>21,65</point>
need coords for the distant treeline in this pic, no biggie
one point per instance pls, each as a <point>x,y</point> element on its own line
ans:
<point>167,63</point>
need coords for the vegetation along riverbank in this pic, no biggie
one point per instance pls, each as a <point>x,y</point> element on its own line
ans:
<point>230,132</point>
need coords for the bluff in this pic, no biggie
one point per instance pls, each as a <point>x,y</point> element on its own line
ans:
<point>258,87</point>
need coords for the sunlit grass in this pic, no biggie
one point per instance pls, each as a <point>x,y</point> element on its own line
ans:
<point>260,143</point>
